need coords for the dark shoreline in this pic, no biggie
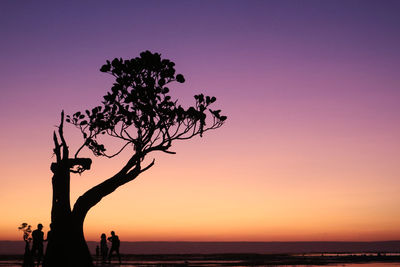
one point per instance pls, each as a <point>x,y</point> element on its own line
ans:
<point>235,259</point>
<point>186,247</point>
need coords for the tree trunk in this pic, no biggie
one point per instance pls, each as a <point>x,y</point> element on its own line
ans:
<point>66,246</point>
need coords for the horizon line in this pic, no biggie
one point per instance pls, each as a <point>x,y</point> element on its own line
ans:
<point>314,241</point>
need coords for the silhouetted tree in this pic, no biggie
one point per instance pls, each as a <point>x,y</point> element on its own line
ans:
<point>139,112</point>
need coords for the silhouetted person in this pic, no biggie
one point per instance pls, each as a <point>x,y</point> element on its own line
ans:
<point>114,246</point>
<point>103,247</point>
<point>48,238</point>
<point>37,243</point>
<point>28,257</point>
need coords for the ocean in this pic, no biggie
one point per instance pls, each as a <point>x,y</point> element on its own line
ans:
<point>17,247</point>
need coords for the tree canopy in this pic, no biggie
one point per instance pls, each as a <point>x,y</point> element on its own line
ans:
<point>139,111</point>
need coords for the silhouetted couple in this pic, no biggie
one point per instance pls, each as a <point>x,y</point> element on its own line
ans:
<point>37,243</point>
<point>114,247</point>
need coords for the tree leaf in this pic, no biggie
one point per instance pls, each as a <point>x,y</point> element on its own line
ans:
<point>105,68</point>
<point>180,78</point>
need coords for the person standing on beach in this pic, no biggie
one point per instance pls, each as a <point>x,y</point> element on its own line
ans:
<point>48,238</point>
<point>49,233</point>
<point>37,243</point>
<point>114,246</point>
<point>103,248</point>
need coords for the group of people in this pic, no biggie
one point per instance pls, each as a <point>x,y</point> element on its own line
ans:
<point>37,246</point>
<point>103,249</point>
<point>38,240</point>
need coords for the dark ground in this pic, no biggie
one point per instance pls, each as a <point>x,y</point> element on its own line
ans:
<point>233,259</point>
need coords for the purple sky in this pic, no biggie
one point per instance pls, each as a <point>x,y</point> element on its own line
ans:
<point>311,90</point>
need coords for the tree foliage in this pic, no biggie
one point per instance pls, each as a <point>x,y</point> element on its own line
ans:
<point>27,231</point>
<point>140,112</point>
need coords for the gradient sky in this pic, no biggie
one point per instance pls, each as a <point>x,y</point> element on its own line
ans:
<point>311,148</point>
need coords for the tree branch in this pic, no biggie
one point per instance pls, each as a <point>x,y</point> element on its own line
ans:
<point>148,166</point>
<point>56,149</point>
<point>61,134</point>
<point>117,153</point>
<point>94,195</point>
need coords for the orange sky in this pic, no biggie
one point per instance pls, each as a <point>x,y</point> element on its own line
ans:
<point>265,190</point>
<point>310,150</point>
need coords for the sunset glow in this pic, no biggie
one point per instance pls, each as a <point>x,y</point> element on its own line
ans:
<point>310,150</point>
